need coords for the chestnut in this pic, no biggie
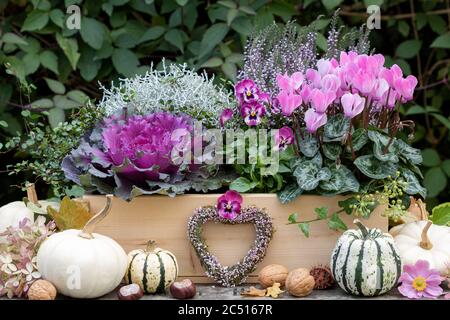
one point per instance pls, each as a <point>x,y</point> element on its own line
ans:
<point>130,292</point>
<point>184,289</point>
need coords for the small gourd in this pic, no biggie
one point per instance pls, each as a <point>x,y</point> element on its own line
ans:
<point>366,261</point>
<point>152,268</point>
<point>423,240</point>
<point>271,274</point>
<point>80,263</point>
<point>299,282</point>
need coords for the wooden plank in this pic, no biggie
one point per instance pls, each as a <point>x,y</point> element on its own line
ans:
<point>164,219</point>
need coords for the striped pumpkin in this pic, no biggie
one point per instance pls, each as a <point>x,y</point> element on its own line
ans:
<point>153,269</point>
<point>366,262</point>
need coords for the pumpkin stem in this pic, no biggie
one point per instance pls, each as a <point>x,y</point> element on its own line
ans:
<point>90,225</point>
<point>151,245</point>
<point>32,195</point>
<point>426,243</point>
<point>361,227</point>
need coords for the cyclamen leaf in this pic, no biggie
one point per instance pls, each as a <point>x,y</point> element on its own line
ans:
<point>309,145</point>
<point>374,168</point>
<point>359,139</point>
<point>289,193</point>
<point>71,215</point>
<point>411,154</point>
<point>309,174</point>
<point>336,127</point>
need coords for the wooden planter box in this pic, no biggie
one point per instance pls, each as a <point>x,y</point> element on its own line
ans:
<point>164,219</point>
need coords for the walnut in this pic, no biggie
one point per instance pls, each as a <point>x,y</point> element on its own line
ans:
<point>42,290</point>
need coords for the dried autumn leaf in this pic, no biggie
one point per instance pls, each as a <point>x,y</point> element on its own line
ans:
<point>274,291</point>
<point>71,215</point>
<point>254,292</point>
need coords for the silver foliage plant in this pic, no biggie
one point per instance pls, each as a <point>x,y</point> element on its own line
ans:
<point>287,48</point>
<point>174,88</point>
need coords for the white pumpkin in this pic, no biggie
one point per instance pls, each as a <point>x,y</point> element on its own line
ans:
<point>423,240</point>
<point>82,264</point>
<point>14,212</point>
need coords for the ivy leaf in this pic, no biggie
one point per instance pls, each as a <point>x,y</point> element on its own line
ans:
<point>321,212</point>
<point>71,215</point>
<point>92,32</point>
<point>374,168</point>
<point>441,214</point>
<point>335,223</point>
<point>36,20</point>
<point>212,37</point>
<point>293,217</point>
<point>304,227</point>
<point>345,204</point>
<point>289,193</point>
<point>70,49</point>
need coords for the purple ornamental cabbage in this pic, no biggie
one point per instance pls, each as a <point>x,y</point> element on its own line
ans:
<point>122,156</point>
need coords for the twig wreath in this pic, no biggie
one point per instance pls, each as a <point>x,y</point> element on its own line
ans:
<point>230,276</point>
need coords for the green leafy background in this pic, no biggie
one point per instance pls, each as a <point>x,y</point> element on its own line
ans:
<point>56,70</point>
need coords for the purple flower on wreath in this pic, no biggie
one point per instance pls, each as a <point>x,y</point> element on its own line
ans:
<point>284,138</point>
<point>247,91</point>
<point>229,204</point>
<point>252,113</point>
<point>226,115</point>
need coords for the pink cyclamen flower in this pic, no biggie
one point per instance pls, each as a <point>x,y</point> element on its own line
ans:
<point>419,281</point>
<point>379,90</point>
<point>314,120</point>
<point>226,115</point>
<point>392,74</point>
<point>352,104</point>
<point>289,102</point>
<point>229,204</point>
<point>405,87</point>
<point>321,100</point>
<point>330,83</point>
<point>247,91</point>
<point>290,83</point>
<point>284,138</point>
<point>252,113</point>
<point>364,82</point>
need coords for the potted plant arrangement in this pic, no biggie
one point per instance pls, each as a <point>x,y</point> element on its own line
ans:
<point>305,140</point>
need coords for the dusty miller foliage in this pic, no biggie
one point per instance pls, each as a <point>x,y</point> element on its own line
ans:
<point>174,88</point>
<point>287,48</point>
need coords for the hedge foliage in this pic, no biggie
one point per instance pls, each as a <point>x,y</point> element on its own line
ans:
<point>49,68</point>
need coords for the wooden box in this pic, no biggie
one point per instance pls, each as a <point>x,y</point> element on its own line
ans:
<point>164,219</point>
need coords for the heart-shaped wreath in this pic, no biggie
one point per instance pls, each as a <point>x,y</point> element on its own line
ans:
<point>230,276</point>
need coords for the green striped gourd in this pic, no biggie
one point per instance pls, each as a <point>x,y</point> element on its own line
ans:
<point>365,262</point>
<point>153,269</point>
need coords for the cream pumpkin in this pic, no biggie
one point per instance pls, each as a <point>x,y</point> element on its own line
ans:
<point>82,264</point>
<point>423,240</point>
<point>14,212</point>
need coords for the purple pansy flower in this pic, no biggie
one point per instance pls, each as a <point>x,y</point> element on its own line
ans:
<point>229,204</point>
<point>284,138</point>
<point>246,91</point>
<point>226,115</point>
<point>252,113</point>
